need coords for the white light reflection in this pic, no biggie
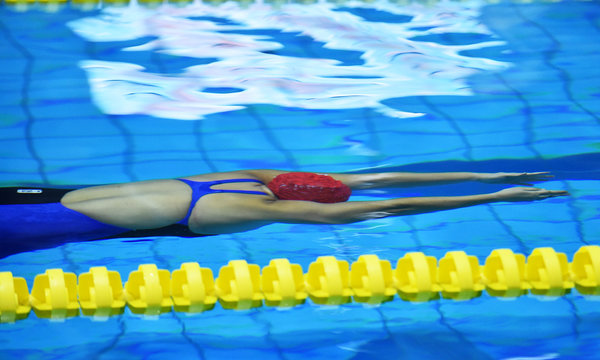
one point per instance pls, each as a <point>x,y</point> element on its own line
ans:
<point>394,66</point>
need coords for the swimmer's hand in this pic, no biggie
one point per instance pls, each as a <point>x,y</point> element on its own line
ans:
<point>515,178</point>
<point>527,194</point>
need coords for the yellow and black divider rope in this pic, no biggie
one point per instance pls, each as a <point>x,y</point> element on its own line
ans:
<point>329,281</point>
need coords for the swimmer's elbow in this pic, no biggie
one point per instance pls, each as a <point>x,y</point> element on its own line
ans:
<point>302,212</point>
<point>333,214</point>
<point>357,212</point>
<point>353,218</point>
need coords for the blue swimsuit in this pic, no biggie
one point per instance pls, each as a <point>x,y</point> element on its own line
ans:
<point>201,188</point>
<point>32,226</point>
<point>27,227</point>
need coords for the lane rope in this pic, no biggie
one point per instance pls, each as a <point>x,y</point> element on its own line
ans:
<point>329,281</point>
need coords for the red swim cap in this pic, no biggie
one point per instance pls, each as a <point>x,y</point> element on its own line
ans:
<point>309,187</point>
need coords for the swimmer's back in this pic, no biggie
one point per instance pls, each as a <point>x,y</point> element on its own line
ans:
<point>153,203</point>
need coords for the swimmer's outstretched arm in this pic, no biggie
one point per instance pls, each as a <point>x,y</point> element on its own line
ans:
<point>355,211</point>
<point>407,179</point>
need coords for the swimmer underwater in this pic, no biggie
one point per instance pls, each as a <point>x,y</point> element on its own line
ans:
<point>229,202</point>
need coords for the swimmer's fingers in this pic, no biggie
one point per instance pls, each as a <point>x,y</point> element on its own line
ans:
<point>545,194</point>
<point>528,194</point>
<point>524,179</point>
<point>528,179</point>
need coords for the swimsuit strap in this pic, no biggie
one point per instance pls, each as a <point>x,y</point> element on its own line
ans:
<point>218,182</point>
<point>201,188</point>
<point>227,181</point>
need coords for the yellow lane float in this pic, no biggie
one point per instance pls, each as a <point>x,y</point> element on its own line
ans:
<point>328,281</point>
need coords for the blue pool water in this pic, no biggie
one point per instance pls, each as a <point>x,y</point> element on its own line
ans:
<point>132,93</point>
